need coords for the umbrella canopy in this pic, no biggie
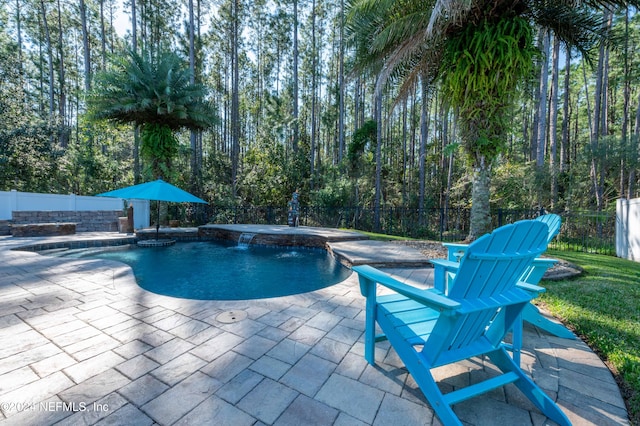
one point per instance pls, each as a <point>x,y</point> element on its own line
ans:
<point>157,190</point>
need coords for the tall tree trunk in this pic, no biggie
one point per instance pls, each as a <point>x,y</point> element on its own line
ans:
<point>358,110</point>
<point>533,146</point>
<point>443,158</point>
<point>296,125</point>
<point>341,112</point>
<point>480,194</point>
<point>103,37</point>
<point>404,151</point>
<point>424,133</point>
<point>193,137</point>
<point>599,120</point>
<point>542,104</point>
<point>414,124</point>
<point>564,150</point>
<point>137,167</point>
<point>47,37</point>
<point>62,94</point>
<point>112,34</point>
<point>447,198</point>
<point>526,150</point>
<point>134,27</point>
<point>625,109</point>
<point>378,181</point>
<point>19,34</point>
<point>314,65</point>
<point>85,45</point>
<point>604,108</point>
<point>553,121</point>
<point>198,71</point>
<point>235,97</point>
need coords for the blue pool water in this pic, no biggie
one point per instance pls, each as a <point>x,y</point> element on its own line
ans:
<point>219,271</point>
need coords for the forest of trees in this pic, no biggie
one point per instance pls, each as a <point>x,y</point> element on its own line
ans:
<point>296,108</point>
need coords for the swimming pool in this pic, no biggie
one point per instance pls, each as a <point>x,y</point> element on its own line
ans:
<point>223,271</point>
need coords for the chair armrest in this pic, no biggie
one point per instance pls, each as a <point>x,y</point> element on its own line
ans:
<point>432,298</point>
<point>441,270</point>
<point>453,249</point>
<point>538,267</point>
<point>530,287</point>
<point>447,265</point>
<point>548,262</point>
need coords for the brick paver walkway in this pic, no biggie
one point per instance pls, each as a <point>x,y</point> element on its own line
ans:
<point>81,343</point>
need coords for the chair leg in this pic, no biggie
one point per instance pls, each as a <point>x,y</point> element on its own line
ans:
<point>517,340</point>
<point>532,315</point>
<point>420,369</point>
<point>536,395</point>
<point>368,288</point>
<point>370,338</point>
<point>422,375</point>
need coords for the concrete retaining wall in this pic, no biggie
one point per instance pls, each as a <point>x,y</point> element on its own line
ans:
<point>11,201</point>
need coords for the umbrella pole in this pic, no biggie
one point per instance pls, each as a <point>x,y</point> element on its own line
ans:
<point>158,222</point>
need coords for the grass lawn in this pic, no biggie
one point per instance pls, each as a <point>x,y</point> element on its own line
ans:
<point>378,237</point>
<point>602,306</point>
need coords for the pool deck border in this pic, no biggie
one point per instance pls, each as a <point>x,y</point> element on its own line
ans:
<point>81,343</point>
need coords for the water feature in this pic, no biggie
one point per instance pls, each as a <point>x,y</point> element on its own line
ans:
<point>245,239</point>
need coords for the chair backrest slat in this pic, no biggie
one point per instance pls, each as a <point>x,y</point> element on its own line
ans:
<point>554,222</point>
<point>490,269</point>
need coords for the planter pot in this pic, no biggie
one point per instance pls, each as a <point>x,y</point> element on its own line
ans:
<point>123,224</point>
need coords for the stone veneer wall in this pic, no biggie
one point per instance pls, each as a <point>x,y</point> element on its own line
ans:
<point>5,227</point>
<point>77,244</point>
<point>87,221</point>
<point>43,229</point>
<point>265,239</point>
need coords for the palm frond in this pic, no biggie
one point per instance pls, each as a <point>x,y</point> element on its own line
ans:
<point>446,13</point>
<point>143,90</point>
<point>604,4</point>
<point>580,27</point>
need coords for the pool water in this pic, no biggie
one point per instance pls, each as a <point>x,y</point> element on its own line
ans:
<point>220,271</point>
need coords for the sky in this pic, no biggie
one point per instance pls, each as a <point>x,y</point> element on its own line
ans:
<point>121,21</point>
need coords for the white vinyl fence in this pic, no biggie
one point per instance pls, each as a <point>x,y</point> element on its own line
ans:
<point>11,201</point>
<point>628,229</point>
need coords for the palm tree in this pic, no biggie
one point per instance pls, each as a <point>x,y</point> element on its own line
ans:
<point>156,94</point>
<point>480,51</point>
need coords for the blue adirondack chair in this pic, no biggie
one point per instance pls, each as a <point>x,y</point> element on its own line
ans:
<point>444,271</point>
<point>429,329</point>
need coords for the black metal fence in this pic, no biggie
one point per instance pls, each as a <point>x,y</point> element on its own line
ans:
<point>592,232</point>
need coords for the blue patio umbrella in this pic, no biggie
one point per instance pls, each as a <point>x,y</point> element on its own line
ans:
<point>157,190</point>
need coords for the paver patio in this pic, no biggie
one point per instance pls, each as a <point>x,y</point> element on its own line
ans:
<point>81,343</point>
